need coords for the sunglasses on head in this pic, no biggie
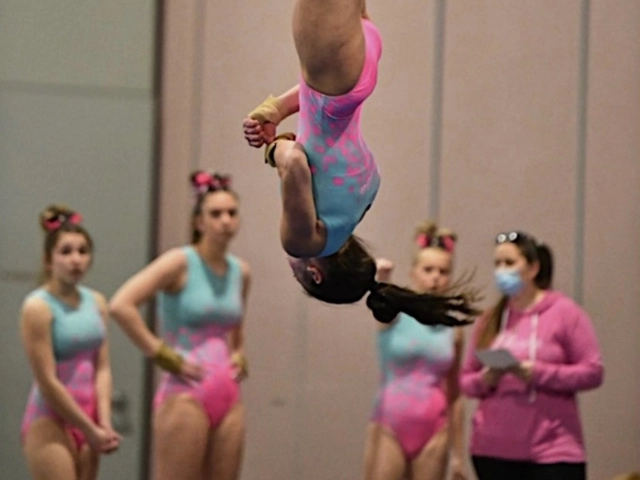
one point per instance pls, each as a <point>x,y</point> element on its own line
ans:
<point>512,237</point>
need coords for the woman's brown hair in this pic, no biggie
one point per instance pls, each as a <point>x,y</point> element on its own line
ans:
<point>533,251</point>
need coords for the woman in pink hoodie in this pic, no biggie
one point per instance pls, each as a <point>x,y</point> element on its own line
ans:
<point>527,425</point>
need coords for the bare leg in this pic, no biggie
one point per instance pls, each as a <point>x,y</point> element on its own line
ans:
<point>431,463</point>
<point>49,451</point>
<point>180,433</point>
<point>330,43</point>
<point>383,459</point>
<point>226,443</point>
<point>88,462</point>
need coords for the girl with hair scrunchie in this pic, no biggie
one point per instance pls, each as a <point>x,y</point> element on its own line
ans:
<point>202,292</point>
<point>416,430</point>
<point>67,423</point>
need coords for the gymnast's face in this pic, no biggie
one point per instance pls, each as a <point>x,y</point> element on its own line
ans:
<point>219,219</point>
<point>431,272</point>
<point>70,258</point>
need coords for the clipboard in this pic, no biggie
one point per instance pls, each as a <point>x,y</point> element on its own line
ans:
<point>498,358</point>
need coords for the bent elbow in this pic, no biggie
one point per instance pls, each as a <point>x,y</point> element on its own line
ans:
<point>116,307</point>
<point>598,376</point>
<point>595,378</point>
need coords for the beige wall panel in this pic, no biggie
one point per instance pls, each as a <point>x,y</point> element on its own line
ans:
<point>612,233</point>
<point>179,110</point>
<point>509,127</point>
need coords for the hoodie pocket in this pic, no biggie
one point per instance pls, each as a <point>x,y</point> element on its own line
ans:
<point>504,427</point>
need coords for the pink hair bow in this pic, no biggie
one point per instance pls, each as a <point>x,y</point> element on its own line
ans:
<point>56,222</point>
<point>202,182</point>
<point>205,182</point>
<point>423,240</point>
<point>446,242</point>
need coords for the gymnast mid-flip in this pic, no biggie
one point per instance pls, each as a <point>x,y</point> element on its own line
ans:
<point>329,177</point>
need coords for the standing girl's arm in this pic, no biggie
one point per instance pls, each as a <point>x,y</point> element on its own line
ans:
<point>168,272</point>
<point>456,411</point>
<point>104,380</point>
<point>35,330</point>
<point>237,335</point>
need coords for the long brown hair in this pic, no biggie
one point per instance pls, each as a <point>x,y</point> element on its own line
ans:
<point>533,251</point>
<point>55,220</point>
<point>349,274</point>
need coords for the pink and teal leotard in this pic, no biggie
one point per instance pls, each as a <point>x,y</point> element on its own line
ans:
<point>196,322</point>
<point>77,333</point>
<point>344,173</point>
<point>414,362</point>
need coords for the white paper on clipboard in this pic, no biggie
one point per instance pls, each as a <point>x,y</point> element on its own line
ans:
<point>497,358</point>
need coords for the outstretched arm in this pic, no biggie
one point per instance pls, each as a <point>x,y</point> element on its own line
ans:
<point>289,102</point>
<point>260,125</point>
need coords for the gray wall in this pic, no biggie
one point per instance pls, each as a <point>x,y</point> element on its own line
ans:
<point>76,126</point>
<point>489,115</point>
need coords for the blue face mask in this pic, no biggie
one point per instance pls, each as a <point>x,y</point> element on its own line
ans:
<point>509,282</point>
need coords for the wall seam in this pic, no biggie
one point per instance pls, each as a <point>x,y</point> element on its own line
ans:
<point>581,153</point>
<point>436,107</point>
<point>148,370</point>
<point>197,94</point>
